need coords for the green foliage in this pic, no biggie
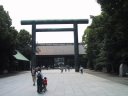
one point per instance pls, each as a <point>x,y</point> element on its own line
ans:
<point>109,34</point>
<point>7,40</point>
<point>5,23</point>
<point>24,43</point>
<point>94,39</point>
<point>10,40</point>
<point>24,38</point>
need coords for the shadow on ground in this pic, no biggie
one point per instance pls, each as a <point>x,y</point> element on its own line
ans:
<point>12,74</point>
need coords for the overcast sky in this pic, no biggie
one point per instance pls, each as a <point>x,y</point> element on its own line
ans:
<point>51,9</point>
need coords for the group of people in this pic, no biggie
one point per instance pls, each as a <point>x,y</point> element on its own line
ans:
<point>38,77</point>
<point>67,67</point>
<point>42,81</point>
<point>81,69</point>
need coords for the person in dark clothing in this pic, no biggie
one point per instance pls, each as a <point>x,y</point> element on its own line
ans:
<point>68,67</point>
<point>39,81</point>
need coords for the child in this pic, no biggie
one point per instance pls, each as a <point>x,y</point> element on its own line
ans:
<point>45,83</point>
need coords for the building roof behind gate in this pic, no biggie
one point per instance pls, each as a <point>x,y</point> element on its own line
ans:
<point>58,49</point>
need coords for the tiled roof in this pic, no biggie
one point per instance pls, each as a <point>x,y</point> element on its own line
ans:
<point>58,49</point>
<point>19,56</point>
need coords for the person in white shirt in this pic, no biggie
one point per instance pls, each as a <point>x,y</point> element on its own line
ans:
<point>81,70</point>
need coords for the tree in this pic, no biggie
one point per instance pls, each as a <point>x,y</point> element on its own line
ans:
<point>7,40</point>
<point>94,40</point>
<point>24,43</point>
<point>117,36</point>
<point>110,35</point>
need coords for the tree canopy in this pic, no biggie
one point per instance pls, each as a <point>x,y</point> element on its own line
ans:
<point>11,40</point>
<point>107,36</point>
<point>24,42</point>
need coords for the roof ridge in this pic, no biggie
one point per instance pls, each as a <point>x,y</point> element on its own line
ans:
<point>55,44</point>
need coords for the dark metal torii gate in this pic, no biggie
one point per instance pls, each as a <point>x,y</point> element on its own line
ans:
<point>74,29</point>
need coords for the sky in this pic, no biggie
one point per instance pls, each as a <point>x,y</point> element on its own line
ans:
<point>50,10</point>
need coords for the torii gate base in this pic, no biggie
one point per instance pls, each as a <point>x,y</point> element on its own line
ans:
<point>74,29</point>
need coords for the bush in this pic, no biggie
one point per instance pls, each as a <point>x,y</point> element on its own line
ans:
<point>99,67</point>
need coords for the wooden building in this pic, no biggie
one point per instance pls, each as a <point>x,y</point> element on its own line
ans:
<point>21,62</point>
<point>55,54</point>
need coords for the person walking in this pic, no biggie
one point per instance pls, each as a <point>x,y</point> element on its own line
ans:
<point>65,68</point>
<point>33,76</point>
<point>81,69</point>
<point>39,81</point>
<point>68,67</point>
<point>61,68</point>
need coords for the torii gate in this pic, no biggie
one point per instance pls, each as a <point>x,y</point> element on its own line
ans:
<point>74,29</point>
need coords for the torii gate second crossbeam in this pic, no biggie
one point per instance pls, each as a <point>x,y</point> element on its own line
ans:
<point>75,23</point>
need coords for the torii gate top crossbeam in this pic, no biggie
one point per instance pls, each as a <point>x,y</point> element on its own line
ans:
<point>71,21</point>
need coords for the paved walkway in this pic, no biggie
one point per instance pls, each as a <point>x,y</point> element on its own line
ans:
<point>112,77</point>
<point>62,84</point>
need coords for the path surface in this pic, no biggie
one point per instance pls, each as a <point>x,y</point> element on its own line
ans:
<point>62,84</point>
